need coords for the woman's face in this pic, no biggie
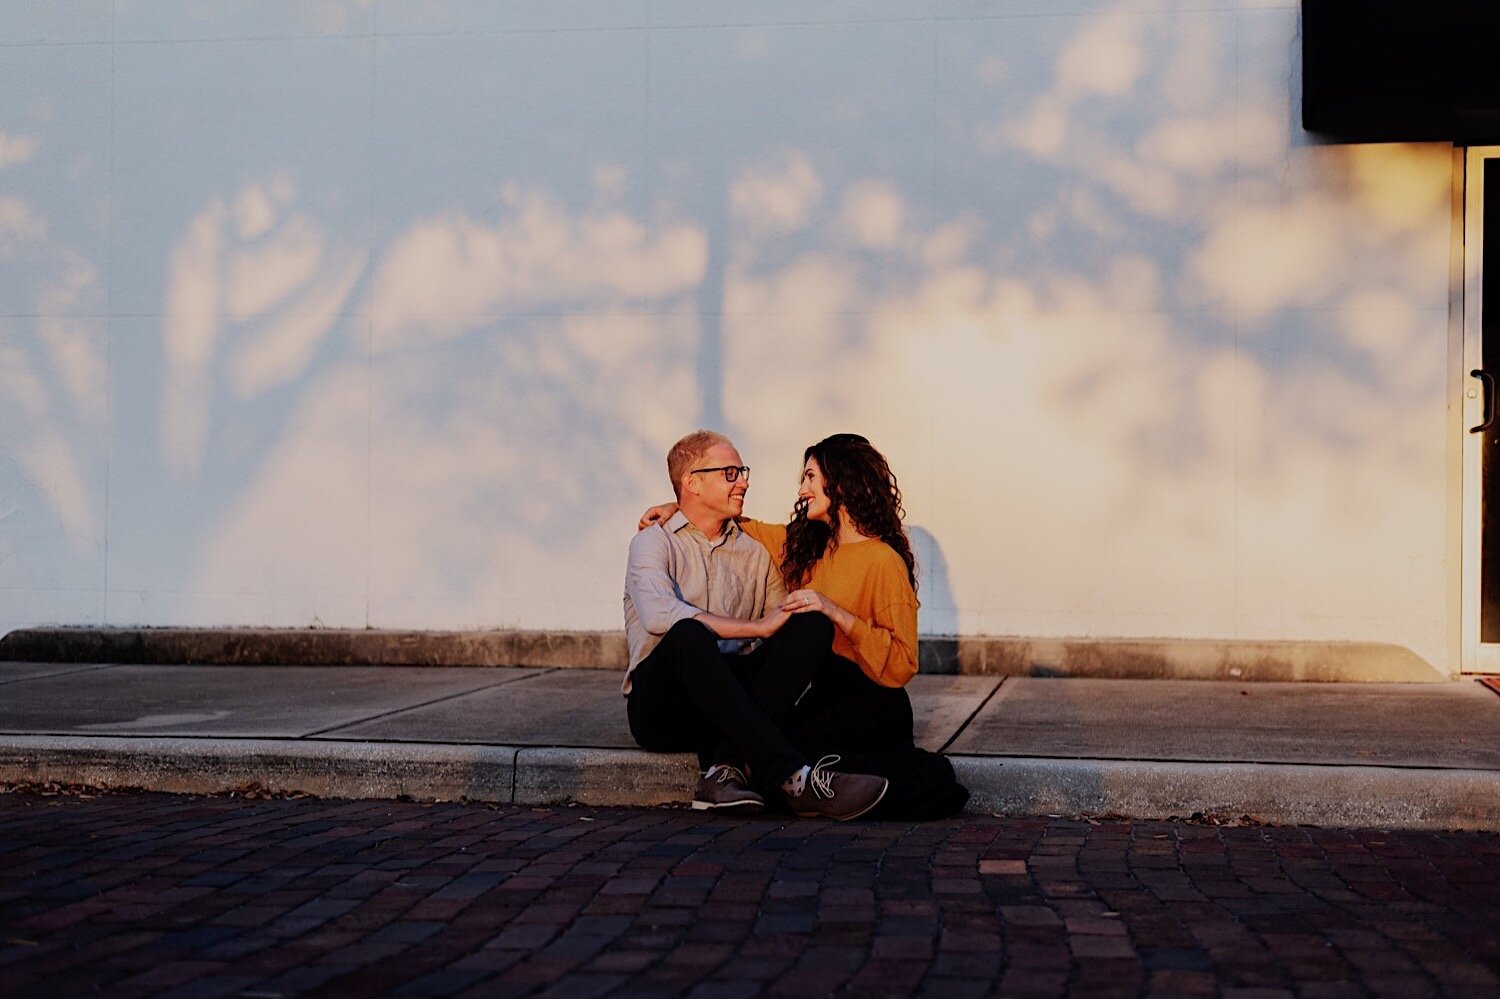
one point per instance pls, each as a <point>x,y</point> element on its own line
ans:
<point>811,490</point>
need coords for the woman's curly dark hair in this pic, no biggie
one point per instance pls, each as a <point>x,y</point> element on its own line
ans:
<point>861,486</point>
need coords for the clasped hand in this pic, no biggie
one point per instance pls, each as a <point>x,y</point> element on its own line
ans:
<point>799,602</point>
<point>806,601</point>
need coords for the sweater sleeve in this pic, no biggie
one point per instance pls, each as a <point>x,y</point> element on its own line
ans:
<point>885,643</point>
<point>771,536</point>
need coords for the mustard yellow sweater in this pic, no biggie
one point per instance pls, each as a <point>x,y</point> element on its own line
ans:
<point>867,579</point>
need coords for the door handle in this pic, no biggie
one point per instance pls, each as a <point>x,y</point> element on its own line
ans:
<point>1488,381</point>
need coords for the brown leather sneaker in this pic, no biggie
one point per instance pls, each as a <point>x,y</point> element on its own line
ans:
<point>724,788</point>
<point>833,795</point>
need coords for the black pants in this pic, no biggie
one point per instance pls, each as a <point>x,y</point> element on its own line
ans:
<point>870,728</point>
<point>686,695</point>
<point>848,710</point>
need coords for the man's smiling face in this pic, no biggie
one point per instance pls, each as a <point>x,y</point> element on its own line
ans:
<point>720,496</point>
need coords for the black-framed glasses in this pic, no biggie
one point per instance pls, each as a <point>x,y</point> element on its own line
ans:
<point>731,472</point>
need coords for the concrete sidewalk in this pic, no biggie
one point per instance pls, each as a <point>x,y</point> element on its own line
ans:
<point>1416,755</point>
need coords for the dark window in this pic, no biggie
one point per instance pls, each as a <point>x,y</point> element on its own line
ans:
<point>1383,71</point>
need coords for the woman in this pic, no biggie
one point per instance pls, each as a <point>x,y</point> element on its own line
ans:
<point>846,555</point>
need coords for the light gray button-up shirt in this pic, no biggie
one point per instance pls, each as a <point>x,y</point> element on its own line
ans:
<point>675,573</point>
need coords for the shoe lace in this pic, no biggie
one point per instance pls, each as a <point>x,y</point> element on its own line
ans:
<point>822,777</point>
<point>724,773</point>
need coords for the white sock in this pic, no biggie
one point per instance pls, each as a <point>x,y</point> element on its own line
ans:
<point>797,782</point>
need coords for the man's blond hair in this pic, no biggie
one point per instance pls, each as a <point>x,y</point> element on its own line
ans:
<point>686,454</point>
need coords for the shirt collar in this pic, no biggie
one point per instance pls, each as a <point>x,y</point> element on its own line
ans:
<point>679,520</point>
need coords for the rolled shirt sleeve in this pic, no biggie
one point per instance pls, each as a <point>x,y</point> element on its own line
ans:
<point>648,582</point>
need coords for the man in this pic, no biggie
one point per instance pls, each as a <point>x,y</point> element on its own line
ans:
<point>716,663</point>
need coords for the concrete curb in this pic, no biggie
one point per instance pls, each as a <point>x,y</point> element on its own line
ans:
<point>547,775</point>
<point>1288,794</point>
<point>203,766</point>
<point>981,655</point>
<point>1387,797</point>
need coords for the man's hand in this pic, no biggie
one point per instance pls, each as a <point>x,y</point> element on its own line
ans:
<point>656,515</point>
<point>772,622</point>
<point>733,627</point>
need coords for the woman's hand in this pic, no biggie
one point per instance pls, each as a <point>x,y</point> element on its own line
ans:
<point>656,515</point>
<point>811,601</point>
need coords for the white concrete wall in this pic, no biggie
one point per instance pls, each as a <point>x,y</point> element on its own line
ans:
<point>384,313</point>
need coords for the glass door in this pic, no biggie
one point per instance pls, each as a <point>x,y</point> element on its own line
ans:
<point>1481,412</point>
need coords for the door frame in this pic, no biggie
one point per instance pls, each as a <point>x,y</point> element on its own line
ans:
<point>1477,657</point>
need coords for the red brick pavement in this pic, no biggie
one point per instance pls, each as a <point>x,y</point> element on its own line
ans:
<point>141,894</point>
